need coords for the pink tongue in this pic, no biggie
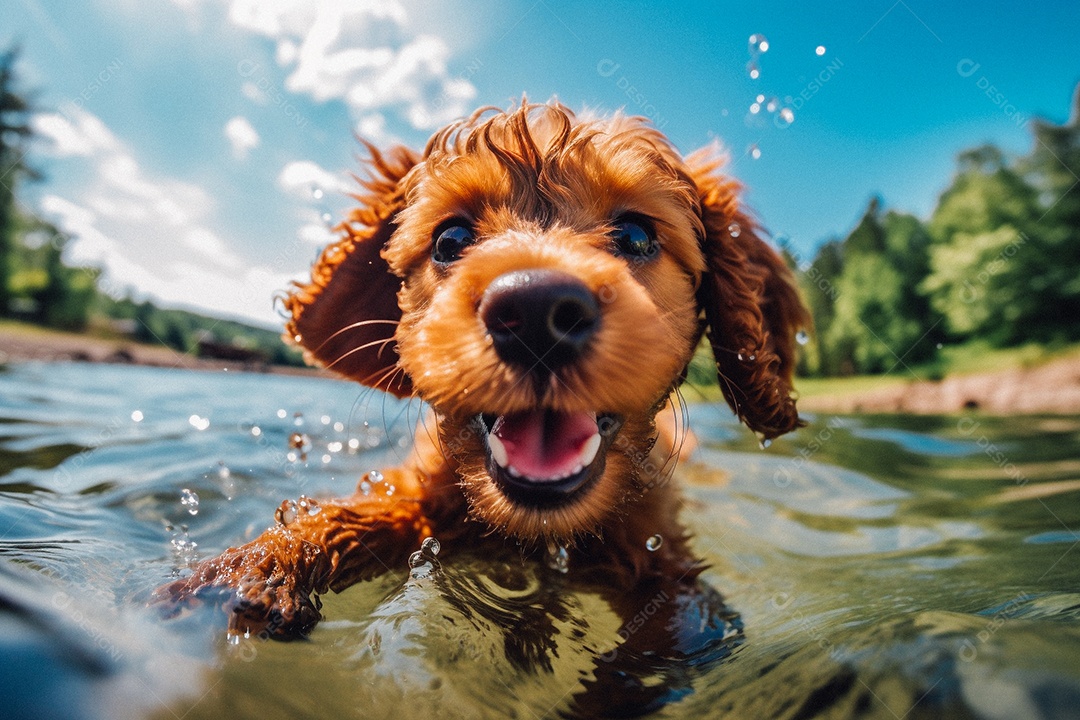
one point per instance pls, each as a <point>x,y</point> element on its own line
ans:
<point>544,444</point>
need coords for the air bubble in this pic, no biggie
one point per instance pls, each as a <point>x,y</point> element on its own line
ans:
<point>190,500</point>
<point>653,543</point>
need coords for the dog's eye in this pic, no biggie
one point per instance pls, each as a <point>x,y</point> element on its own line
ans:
<point>450,240</point>
<point>635,238</point>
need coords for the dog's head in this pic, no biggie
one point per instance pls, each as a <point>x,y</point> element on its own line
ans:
<point>542,282</point>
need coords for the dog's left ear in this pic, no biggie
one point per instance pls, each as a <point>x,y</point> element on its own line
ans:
<point>346,316</point>
<point>752,309</point>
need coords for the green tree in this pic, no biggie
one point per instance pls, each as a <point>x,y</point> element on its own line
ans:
<point>15,134</point>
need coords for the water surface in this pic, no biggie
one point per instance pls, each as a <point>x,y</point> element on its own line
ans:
<point>892,567</point>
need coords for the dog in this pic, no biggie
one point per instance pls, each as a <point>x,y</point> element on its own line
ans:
<point>541,281</point>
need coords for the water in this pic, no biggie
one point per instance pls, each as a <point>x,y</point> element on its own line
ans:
<point>887,567</point>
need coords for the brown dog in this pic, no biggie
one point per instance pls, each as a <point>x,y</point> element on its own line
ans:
<point>541,281</point>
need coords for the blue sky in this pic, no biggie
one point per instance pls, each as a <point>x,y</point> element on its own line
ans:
<point>197,149</point>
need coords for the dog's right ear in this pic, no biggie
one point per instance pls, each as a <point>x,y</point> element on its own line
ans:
<point>346,316</point>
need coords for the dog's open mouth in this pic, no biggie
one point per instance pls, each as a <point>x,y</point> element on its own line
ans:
<point>543,456</point>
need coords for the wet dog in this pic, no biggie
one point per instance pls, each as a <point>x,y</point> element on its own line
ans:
<point>541,281</point>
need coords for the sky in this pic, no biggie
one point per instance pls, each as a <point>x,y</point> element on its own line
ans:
<point>199,150</point>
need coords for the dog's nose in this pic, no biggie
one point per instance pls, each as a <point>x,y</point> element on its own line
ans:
<point>539,317</point>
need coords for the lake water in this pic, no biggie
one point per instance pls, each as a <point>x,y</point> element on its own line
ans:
<point>885,567</point>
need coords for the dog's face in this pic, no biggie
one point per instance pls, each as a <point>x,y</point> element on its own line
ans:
<point>548,277</point>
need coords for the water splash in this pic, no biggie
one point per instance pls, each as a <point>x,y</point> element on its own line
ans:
<point>185,550</point>
<point>190,500</point>
<point>424,561</point>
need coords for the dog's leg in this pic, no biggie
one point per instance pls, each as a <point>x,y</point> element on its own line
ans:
<point>269,582</point>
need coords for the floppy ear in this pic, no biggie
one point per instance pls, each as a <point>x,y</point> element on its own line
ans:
<point>752,310</point>
<point>346,316</point>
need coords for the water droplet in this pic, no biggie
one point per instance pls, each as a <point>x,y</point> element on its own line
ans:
<point>802,337</point>
<point>765,443</point>
<point>339,426</point>
<point>755,108</point>
<point>223,471</point>
<point>298,419</point>
<point>286,512</point>
<point>786,117</point>
<point>772,104</point>
<point>326,459</point>
<point>327,217</point>
<point>755,152</point>
<point>760,98</point>
<point>301,442</point>
<point>390,489</point>
<point>281,413</point>
<point>758,44</point>
<point>653,543</point>
<point>365,487</point>
<point>558,558</point>
<point>256,430</point>
<point>820,50</point>
<point>334,446</point>
<point>375,476</point>
<point>137,416</point>
<point>753,70</point>
<point>417,559</point>
<point>184,549</point>
<point>354,443</point>
<point>734,229</point>
<point>939,346</point>
<point>325,419</point>
<point>199,423</point>
<point>317,193</point>
<point>308,505</point>
<point>431,546</point>
<point>190,500</point>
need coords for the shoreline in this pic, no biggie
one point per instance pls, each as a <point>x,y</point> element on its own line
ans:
<point>1052,387</point>
<point>28,343</point>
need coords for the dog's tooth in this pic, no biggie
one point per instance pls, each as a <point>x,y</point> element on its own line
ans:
<point>589,449</point>
<point>498,450</point>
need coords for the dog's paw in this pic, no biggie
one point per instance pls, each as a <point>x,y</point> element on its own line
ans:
<point>261,591</point>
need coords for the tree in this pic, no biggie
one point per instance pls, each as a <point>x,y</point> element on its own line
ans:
<point>14,138</point>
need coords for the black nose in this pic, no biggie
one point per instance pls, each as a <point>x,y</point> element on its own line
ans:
<point>539,317</point>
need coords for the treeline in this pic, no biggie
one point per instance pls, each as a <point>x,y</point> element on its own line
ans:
<point>38,286</point>
<point>997,262</point>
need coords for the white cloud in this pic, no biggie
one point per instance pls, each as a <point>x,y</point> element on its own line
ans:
<point>362,52</point>
<point>76,133</point>
<point>306,179</point>
<point>152,233</point>
<point>242,136</point>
